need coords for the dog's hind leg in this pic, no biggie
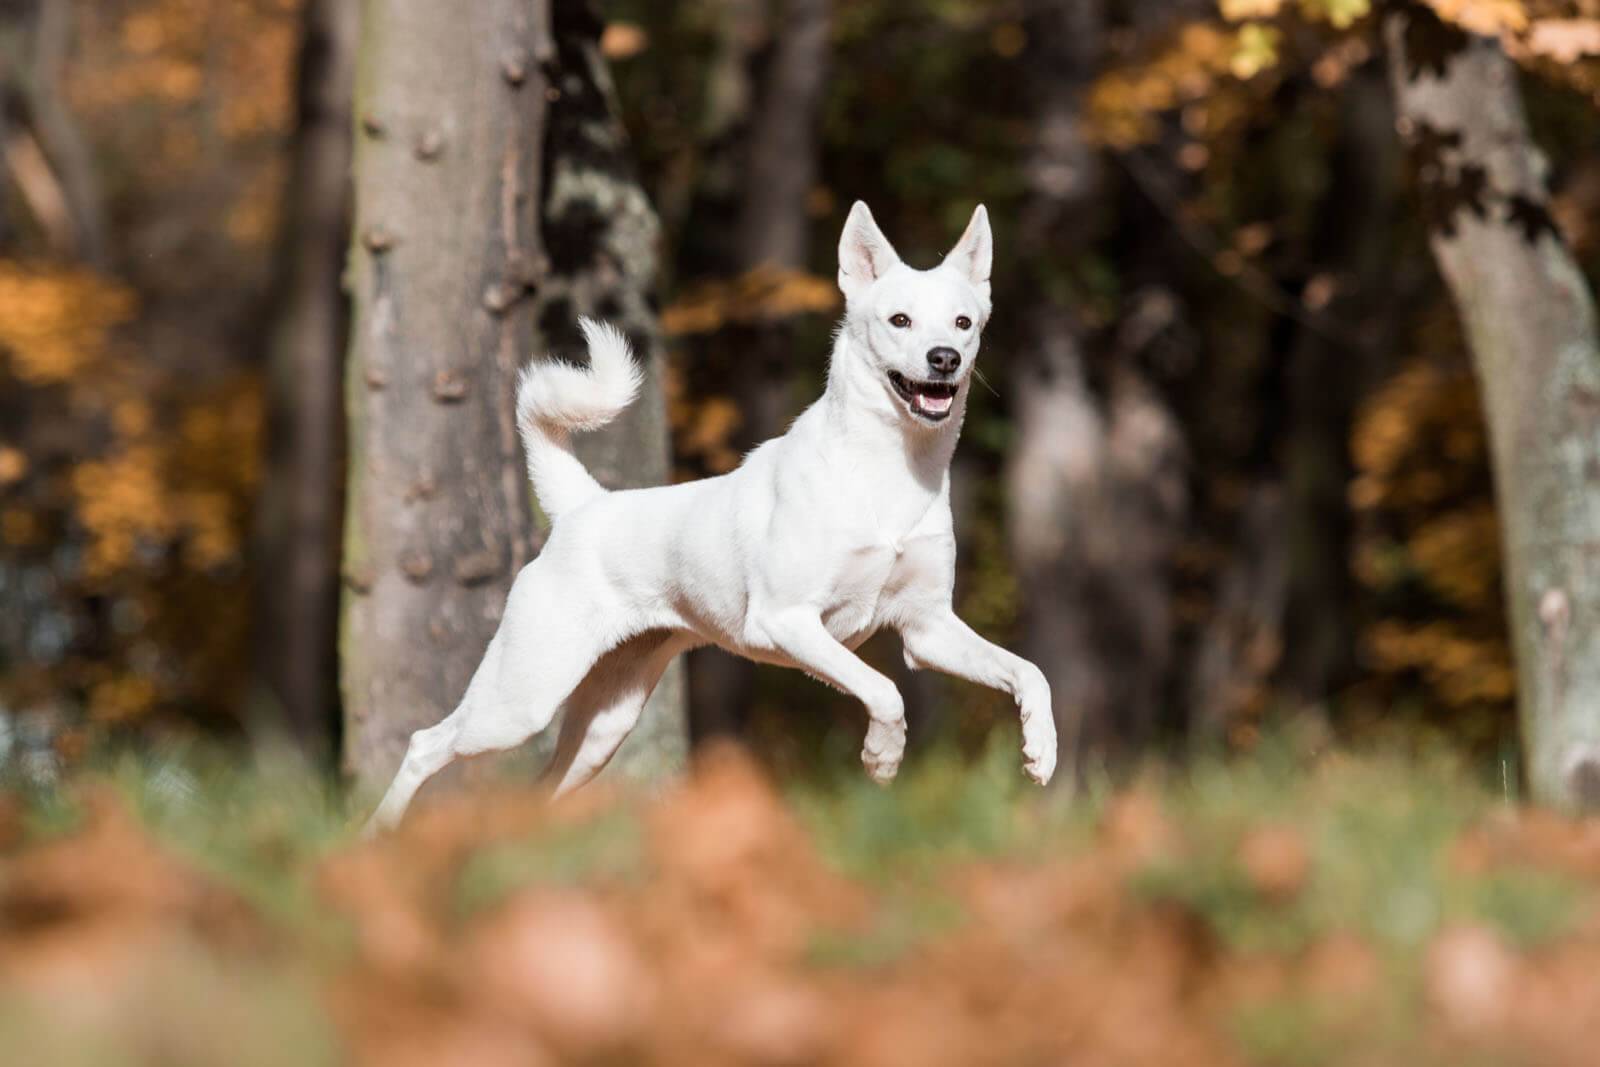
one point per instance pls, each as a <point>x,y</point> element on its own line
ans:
<point>605,708</point>
<point>542,652</point>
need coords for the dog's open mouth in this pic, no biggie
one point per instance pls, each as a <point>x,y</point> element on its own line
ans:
<point>931,400</point>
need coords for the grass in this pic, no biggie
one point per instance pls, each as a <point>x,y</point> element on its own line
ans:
<point>1378,830</point>
<point>941,811</point>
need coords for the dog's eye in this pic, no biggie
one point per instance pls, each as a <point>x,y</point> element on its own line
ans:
<point>900,320</point>
<point>963,323</point>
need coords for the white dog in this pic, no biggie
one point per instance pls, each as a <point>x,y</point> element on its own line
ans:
<point>823,536</point>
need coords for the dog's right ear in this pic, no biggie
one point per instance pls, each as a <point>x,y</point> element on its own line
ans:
<point>865,254</point>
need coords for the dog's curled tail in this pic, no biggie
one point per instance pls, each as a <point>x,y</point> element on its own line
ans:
<point>556,398</point>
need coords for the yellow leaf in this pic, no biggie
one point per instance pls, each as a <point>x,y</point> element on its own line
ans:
<point>1256,51</point>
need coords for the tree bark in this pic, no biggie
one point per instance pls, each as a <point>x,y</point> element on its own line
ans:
<point>1529,318</point>
<point>297,525</point>
<point>450,114</point>
<point>602,238</point>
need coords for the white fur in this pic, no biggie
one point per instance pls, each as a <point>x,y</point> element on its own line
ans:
<point>555,398</point>
<point>823,536</point>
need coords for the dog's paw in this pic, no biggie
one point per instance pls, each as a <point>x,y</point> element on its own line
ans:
<point>883,749</point>
<point>1039,746</point>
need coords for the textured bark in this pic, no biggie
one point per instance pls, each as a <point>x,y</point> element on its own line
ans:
<point>297,525</point>
<point>1530,321</point>
<point>450,120</point>
<point>1095,482</point>
<point>602,238</point>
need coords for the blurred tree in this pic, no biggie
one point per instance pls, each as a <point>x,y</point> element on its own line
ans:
<point>1529,317</point>
<point>1096,481</point>
<point>40,141</point>
<point>297,520</point>
<point>603,240</point>
<point>452,105</point>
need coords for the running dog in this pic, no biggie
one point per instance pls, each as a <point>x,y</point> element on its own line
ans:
<point>823,536</point>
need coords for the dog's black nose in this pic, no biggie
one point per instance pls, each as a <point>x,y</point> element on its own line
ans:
<point>944,360</point>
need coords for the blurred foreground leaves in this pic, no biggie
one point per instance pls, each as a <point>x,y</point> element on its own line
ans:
<point>1368,907</point>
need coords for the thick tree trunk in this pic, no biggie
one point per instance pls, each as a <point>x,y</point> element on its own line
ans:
<point>297,527</point>
<point>451,111</point>
<point>602,239</point>
<point>1530,320</point>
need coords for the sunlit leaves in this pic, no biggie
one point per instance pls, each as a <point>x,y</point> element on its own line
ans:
<point>1126,103</point>
<point>1565,40</point>
<point>1341,14</point>
<point>54,321</point>
<point>765,294</point>
<point>1487,18</point>
<point>1427,533</point>
<point>1240,10</point>
<point>1255,50</point>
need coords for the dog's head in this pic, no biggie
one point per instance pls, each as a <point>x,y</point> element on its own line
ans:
<point>916,329</point>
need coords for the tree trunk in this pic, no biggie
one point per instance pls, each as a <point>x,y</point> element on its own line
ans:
<point>602,239</point>
<point>1529,318</point>
<point>1095,482</point>
<point>297,525</point>
<point>451,111</point>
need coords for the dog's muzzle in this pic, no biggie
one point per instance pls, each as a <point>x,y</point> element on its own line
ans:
<point>929,400</point>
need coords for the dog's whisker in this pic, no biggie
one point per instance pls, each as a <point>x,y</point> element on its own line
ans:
<point>979,375</point>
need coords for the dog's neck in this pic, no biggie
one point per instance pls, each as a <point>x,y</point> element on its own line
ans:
<point>871,426</point>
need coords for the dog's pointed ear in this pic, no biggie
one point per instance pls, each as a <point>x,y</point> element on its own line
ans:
<point>865,254</point>
<point>973,255</point>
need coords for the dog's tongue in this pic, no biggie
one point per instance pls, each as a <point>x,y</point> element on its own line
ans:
<point>934,405</point>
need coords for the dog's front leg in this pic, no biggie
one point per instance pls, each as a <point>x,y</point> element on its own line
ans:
<point>943,642</point>
<point>802,638</point>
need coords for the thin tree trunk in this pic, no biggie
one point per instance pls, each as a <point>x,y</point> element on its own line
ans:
<point>782,164</point>
<point>451,110</point>
<point>1530,321</point>
<point>602,238</point>
<point>297,527</point>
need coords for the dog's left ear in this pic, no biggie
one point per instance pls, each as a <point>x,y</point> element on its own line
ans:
<point>973,255</point>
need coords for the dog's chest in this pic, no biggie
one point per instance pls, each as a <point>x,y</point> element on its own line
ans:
<point>870,572</point>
